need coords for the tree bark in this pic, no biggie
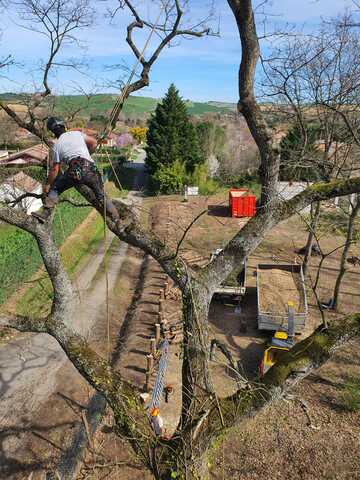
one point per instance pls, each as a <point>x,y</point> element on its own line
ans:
<point>198,388</point>
<point>345,253</point>
<point>203,415</point>
<point>248,106</point>
<point>194,441</point>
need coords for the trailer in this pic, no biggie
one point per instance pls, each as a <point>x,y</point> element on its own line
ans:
<point>277,285</point>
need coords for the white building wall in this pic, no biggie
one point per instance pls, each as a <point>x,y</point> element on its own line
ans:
<point>9,192</point>
<point>288,190</point>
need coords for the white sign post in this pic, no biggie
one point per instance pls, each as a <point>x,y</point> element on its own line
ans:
<point>191,191</point>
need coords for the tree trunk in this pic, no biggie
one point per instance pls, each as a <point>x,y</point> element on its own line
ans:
<point>315,214</point>
<point>345,253</point>
<point>198,394</point>
<point>185,455</point>
<point>197,384</point>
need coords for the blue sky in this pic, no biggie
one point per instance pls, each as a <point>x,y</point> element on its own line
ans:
<point>203,69</point>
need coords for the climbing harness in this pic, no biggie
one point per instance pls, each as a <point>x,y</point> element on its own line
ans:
<point>75,173</point>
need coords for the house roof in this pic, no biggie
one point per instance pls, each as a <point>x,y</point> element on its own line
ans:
<point>22,182</point>
<point>32,156</point>
<point>334,148</point>
<point>95,133</point>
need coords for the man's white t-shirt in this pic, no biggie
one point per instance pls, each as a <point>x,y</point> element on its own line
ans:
<point>70,145</point>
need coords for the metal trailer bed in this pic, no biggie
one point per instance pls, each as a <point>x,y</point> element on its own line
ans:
<point>278,320</point>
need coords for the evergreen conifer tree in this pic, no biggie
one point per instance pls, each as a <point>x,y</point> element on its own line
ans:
<point>171,136</point>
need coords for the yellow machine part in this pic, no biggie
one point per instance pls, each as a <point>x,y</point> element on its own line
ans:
<point>270,357</point>
<point>281,335</point>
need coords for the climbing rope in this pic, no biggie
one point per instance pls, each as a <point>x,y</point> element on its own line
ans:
<point>106,277</point>
<point>114,171</point>
<point>114,115</point>
<point>107,130</point>
<point>160,378</point>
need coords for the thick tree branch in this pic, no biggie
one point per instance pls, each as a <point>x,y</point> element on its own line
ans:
<point>130,230</point>
<point>247,239</point>
<point>18,218</point>
<point>290,368</point>
<point>39,195</point>
<point>248,105</point>
<point>130,416</point>
<point>30,126</point>
<point>43,234</point>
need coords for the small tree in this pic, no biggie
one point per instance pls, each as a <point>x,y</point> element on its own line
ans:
<point>139,133</point>
<point>211,138</point>
<point>171,178</point>
<point>351,224</point>
<point>171,136</point>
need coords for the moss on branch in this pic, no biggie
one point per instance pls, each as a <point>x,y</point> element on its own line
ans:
<point>318,192</point>
<point>313,351</point>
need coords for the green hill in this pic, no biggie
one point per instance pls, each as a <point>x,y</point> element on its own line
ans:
<point>226,105</point>
<point>101,104</point>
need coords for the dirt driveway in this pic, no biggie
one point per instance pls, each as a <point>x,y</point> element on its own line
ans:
<point>309,435</point>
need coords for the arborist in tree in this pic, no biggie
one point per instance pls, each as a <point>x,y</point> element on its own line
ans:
<point>73,151</point>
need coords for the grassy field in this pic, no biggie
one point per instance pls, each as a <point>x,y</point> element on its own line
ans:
<point>36,294</point>
<point>36,299</point>
<point>101,104</point>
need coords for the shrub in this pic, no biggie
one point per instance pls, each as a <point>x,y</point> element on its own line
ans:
<point>171,178</point>
<point>139,133</point>
<point>246,180</point>
<point>200,178</point>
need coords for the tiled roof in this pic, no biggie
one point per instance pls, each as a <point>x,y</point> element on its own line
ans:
<point>22,182</point>
<point>36,155</point>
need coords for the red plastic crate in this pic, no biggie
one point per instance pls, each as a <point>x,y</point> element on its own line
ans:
<point>242,203</point>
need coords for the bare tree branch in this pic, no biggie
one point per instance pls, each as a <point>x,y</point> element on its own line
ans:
<point>58,21</point>
<point>172,15</point>
<point>19,199</point>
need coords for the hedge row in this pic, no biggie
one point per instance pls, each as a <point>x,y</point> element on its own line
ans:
<point>19,254</point>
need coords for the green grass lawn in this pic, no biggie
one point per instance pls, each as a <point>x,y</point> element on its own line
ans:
<point>37,298</point>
